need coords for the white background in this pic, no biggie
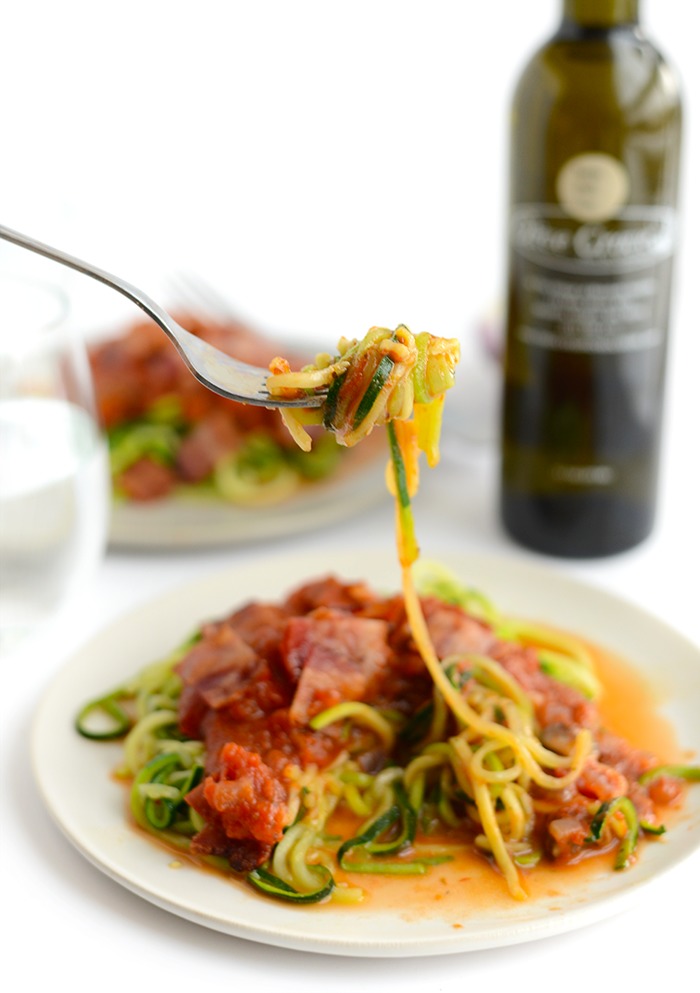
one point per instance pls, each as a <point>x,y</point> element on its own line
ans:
<point>330,166</point>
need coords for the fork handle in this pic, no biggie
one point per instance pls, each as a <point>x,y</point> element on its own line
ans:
<point>243,382</point>
<point>132,293</point>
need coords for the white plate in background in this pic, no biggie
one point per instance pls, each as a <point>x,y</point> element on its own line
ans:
<point>180,522</point>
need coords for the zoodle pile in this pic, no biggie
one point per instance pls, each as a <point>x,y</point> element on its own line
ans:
<point>416,724</point>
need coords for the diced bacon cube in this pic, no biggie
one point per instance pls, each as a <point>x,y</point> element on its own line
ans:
<point>334,657</point>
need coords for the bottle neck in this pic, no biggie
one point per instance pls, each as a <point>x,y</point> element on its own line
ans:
<point>601,14</point>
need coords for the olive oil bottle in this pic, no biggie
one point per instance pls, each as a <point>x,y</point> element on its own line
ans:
<point>595,144</point>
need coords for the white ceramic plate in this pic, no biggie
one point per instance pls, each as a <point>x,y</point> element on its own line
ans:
<point>74,775</point>
<point>200,522</point>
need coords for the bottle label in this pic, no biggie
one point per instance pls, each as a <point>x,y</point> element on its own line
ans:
<point>593,273</point>
<point>595,286</point>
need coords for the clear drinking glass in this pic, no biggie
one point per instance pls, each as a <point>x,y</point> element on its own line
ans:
<point>54,488</point>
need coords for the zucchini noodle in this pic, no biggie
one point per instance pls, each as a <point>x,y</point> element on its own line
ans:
<point>388,376</point>
<point>363,714</point>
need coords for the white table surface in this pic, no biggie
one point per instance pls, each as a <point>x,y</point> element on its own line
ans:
<point>124,203</point>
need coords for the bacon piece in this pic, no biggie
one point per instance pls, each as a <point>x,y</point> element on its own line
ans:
<point>146,480</point>
<point>206,444</point>
<point>567,837</point>
<point>219,650</point>
<point>334,657</point>
<point>643,803</point>
<point>664,790</point>
<point>329,592</point>
<point>633,762</point>
<point>601,782</point>
<point>614,750</point>
<point>261,626</point>
<point>213,671</point>
<point>453,632</point>
<point>564,704</point>
<point>566,827</point>
<point>131,370</point>
<point>555,703</point>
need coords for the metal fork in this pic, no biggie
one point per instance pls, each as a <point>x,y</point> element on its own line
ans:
<point>212,367</point>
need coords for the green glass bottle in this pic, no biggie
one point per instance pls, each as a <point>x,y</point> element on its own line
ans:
<point>595,149</point>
